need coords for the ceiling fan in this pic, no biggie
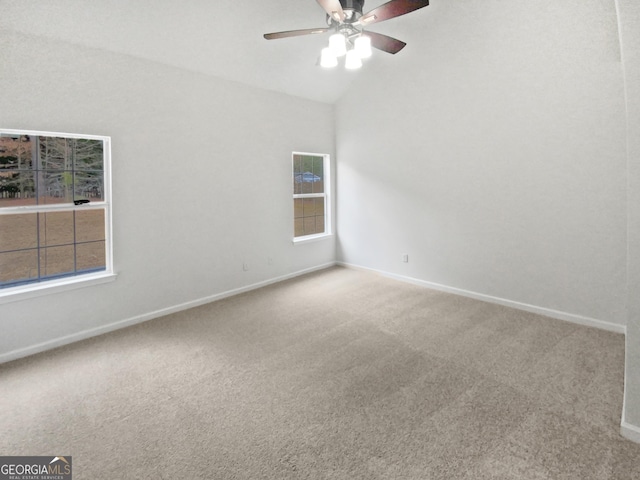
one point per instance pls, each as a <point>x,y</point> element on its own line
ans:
<point>346,20</point>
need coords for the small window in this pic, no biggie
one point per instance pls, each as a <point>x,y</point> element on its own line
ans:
<point>311,186</point>
<point>55,218</point>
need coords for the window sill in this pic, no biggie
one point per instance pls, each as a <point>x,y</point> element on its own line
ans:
<point>15,294</point>
<point>311,238</point>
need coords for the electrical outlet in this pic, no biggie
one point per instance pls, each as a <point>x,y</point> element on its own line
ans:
<point>245,266</point>
<point>269,260</point>
<point>405,258</point>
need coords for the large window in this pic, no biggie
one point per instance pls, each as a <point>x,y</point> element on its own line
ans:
<point>311,186</point>
<point>55,217</point>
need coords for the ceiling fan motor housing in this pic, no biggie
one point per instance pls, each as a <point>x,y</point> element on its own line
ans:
<point>352,11</point>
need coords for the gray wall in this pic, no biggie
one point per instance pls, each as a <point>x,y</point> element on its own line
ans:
<point>201,181</point>
<point>629,12</point>
<point>495,158</point>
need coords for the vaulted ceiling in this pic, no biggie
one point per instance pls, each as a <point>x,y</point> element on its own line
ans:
<point>222,38</point>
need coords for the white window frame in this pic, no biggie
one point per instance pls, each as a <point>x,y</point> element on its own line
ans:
<point>36,289</point>
<point>326,168</point>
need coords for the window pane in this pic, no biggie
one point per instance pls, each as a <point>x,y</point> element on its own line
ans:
<point>308,207</point>
<point>59,255</point>
<point>317,187</point>
<point>308,216</point>
<point>313,207</point>
<point>88,184</point>
<point>70,169</point>
<point>297,174</point>
<point>57,261</point>
<point>306,183</point>
<point>87,154</point>
<point>90,256</point>
<point>18,231</point>
<point>298,211</point>
<point>310,225</point>
<point>297,184</point>
<point>15,152</point>
<point>17,188</point>
<point>308,174</point>
<point>55,186</point>
<point>318,175</point>
<point>89,225</point>
<point>55,153</point>
<point>18,266</point>
<point>53,169</point>
<point>320,207</point>
<point>56,228</point>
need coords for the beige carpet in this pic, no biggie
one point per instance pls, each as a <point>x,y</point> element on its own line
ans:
<point>340,374</point>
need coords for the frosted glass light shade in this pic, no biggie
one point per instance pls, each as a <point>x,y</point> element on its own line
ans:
<point>363,46</point>
<point>353,61</point>
<point>327,58</point>
<point>338,44</point>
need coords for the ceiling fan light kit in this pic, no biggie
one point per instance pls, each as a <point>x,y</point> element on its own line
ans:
<point>328,58</point>
<point>353,60</point>
<point>338,44</point>
<point>362,45</point>
<point>346,20</point>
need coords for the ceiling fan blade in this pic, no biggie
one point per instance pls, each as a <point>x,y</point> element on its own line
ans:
<point>385,43</point>
<point>391,9</point>
<point>294,33</point>
<point>333,9</point>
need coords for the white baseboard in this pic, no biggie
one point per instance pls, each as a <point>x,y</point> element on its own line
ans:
<point>82,335</point>
<point>630,432</point>
<point>570,317</point>
<point>627,430</point>
<point>93,332</point>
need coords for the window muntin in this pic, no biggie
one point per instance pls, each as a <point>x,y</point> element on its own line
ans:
<point>311,182</point>
<point>55,220</point>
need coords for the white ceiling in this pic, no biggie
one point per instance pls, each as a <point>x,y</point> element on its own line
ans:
<point>215,37</point>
